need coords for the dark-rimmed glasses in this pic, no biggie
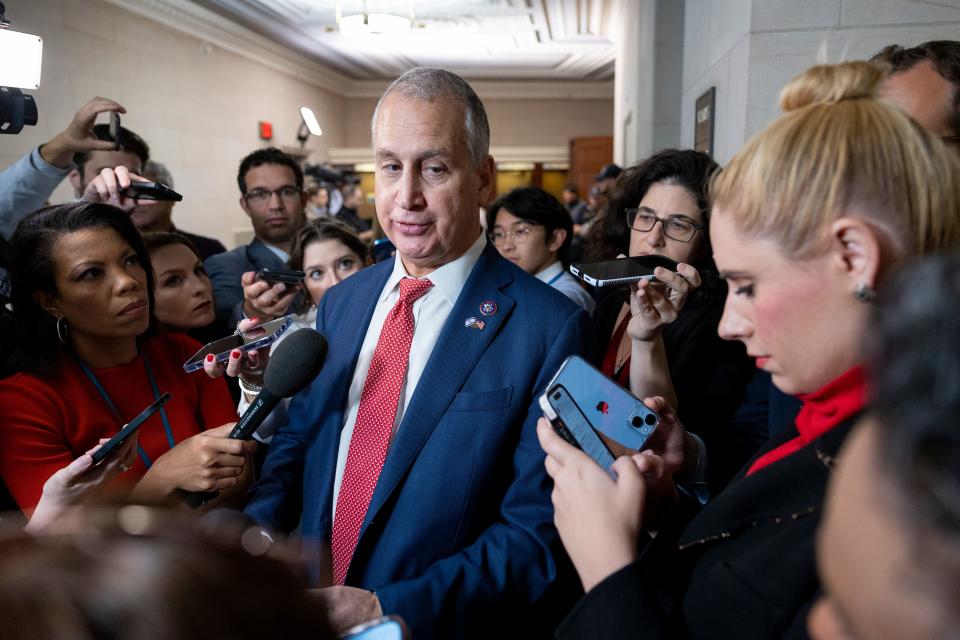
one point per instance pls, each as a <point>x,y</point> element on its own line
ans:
<point>677,229</point>
<point>262,196</point>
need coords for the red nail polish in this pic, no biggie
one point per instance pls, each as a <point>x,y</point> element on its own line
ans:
<point>210,357</point>
<point>235,353</point>
<point>254,319</point>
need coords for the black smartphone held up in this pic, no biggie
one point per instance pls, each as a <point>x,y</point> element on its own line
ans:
<point>254,338</point>
<point>151,191</point>
<point>607,273</point>
<point>286,276</point>
<point>581,403</point>
<point>115,130</point>
<point>383,249</point>
<point>386,628</point>
<point>110,445</point>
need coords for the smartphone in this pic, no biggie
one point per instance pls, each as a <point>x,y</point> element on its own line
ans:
<point>383,249</point>
<point>151,191</point>
<point>115,130</point>
<point>607,273</point>
<point>386,628</point>
<point>254,338</point>
<point>587,407</point>
<point>127,430</point>
<point>286,276</point>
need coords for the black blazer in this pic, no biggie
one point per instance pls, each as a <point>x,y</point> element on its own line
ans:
<point>742,568</point>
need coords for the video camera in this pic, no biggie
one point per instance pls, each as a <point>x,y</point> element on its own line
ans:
<point>20,64</point>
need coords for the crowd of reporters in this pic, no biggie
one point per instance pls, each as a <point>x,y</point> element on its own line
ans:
<point>840,220</point>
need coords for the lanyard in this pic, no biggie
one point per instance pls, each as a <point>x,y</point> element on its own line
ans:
<point>113,408</point>
<point>555,278</point>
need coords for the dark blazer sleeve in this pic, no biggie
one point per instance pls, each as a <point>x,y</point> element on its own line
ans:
<point>515,553</point>
<point>225,271</point>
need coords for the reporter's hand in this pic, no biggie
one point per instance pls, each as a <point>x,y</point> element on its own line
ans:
<point>655,304</point>
<point>248,365</point>
<point>264,300</point>
<point>78,136</point>
<point>671,441</point>
<point>109,184</point>
<point>599,518</point>
<point>208,461</point>
<point>79,480</point>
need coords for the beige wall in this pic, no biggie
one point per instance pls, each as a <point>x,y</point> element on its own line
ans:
<point>513,122</point>
<point>197,106</point>
<point>750,50</point>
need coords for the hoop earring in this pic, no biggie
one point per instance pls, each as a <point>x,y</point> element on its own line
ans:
<point>864,293</point>
<point>62,330</point>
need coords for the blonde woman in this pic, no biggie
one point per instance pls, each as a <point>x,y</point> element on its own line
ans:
<point>807,220</point>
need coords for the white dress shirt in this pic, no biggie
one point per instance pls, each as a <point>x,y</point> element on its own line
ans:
<point>430,313</point>
<point>556,277</point>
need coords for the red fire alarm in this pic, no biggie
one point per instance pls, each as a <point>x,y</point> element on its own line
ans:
<point>266,130</point>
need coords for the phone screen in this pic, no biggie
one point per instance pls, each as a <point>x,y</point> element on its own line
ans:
<point>384,629</point>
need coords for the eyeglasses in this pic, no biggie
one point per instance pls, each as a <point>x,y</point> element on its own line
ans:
<point>519,235</point>
<point>674,228</point>
<point>262,196</point>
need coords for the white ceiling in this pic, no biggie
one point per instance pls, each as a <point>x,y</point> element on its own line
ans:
<point>540,40</point>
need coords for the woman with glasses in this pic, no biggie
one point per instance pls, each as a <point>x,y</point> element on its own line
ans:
<point>530,228</point>
<point>809,219</point>
<point>660,338</point>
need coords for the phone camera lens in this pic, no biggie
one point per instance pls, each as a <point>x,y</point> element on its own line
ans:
<point>650,419</point>
<point>556,396</point>
<point>636,421</point>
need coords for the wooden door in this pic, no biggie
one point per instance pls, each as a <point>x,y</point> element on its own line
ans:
<point>587,157</point>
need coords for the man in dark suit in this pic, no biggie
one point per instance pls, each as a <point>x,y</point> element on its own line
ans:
<point>411,463</point>
<point>271,188</point>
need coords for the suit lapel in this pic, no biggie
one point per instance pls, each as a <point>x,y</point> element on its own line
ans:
<point>261,256</point>
<point>455,355</point>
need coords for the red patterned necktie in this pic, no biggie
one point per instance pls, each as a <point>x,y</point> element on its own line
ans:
<point>371,433</point>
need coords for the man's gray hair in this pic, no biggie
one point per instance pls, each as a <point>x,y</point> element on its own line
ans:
<point>432,83</point>
<point>157,172</point>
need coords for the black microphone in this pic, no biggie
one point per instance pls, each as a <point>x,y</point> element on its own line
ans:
<point>293,365</point>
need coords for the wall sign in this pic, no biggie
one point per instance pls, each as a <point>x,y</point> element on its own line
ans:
<point>705,117</point>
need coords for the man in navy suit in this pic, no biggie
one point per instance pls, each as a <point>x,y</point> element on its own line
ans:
<point>421,474</point>
<point>271,193</point>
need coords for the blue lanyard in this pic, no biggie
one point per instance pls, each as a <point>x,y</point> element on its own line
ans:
<point>113,408</point>
<point>555,278</point>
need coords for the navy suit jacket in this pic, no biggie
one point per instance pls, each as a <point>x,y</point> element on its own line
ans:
<point>459,535</point>
<point>226,269</point>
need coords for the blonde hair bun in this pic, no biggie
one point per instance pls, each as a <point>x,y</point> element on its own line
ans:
<point>828,84</point>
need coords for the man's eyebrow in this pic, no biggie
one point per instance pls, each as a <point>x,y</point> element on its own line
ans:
<point>424,155</point>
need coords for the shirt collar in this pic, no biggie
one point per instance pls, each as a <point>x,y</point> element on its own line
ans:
<point>551,272</point>
<point>280,253</point>
<point>448,279</point>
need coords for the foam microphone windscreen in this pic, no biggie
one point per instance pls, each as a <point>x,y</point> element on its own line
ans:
<point>295,362</point>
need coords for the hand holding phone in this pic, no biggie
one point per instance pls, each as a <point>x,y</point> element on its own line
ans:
<point>596,414</point>
<point>151,191</point>
<point>110,446</point>
<point>255,338</point>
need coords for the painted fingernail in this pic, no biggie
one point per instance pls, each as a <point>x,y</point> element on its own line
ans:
<point>254,319</point>
<point>235,353</point>
<point>210,357</point>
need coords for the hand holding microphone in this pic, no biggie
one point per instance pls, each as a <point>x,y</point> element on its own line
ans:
<point>293,365</point>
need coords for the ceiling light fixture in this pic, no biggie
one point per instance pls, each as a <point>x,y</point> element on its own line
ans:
<point>374,24</point>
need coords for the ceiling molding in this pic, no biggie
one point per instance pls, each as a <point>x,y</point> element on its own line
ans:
<point>194,20</point>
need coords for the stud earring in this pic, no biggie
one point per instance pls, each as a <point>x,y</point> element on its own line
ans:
<point>864,293</point>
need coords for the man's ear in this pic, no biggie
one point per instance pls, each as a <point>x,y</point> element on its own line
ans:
<point>48,302</point>
<point>857,251</point>
<point>557,238</point>
<point>76,181</point>
<point>488,173</point>
<point>243,205</point>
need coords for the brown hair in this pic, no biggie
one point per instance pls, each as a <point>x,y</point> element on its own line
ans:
<point>840,151</point>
